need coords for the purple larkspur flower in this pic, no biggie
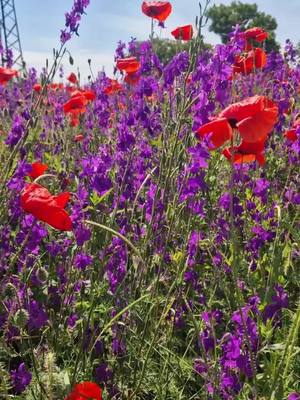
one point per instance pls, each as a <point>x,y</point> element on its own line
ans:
<point>73,19</point>
<point>37,315</point>
<point>20,378</point>
<point>294,396</point>
<point>82,261</point>
<point>279,301</point>
<point>103,373</point>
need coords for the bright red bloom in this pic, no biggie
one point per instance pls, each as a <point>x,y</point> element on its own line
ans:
<point>129,64</point>
<point>260,57</point>
<point>89,95</point>
<point>72,78</point>
<point>85,391</point>
<point>246,152</point>
<point>37,87</point>
<point>256,33</point>
<point>78,138</point>
<point>253,118</point>
<point>291,134</point>
<point>131,78</point>
<point>56,86</point>
<point>37,170</point>
<point>159,10</point>
<point>76,105</point>
<point>245,64</point>
<point>38,201</point>
<point>6,74</point>
<point>113,87</point>
<point>183,32</point>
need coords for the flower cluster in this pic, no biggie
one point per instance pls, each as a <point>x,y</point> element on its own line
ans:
<point>133,255</point>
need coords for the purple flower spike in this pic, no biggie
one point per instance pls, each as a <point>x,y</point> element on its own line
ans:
<point>20,378</point>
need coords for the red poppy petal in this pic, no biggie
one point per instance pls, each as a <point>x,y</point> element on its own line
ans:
<point>72,78</point>
<point>159,10</point>
<point>88,389</point>
<point>62,199</point>
<point>58,218</point>
<point>291,135</point>
<point>37,170</point>
<point>257,127</point>
<point>129,64</point>
<point>37,201</point>
<point>260,58</point>
<point>219,129</point>
<point>240,158</point>
<point>249,148</point>
<point>183,32</point>
<point>245,108</point>
<point>258,34</point>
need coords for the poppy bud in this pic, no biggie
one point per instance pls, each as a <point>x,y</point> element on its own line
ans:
<point>42,274</point>
<point>10,291</point>
<point>21,318</point>
<point>78,138</point>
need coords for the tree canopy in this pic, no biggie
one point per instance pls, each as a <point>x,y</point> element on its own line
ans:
<point>223,18</point>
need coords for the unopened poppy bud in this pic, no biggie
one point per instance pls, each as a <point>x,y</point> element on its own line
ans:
<point>21,318</point>
<point>10,291</point>
<point>42,274</point>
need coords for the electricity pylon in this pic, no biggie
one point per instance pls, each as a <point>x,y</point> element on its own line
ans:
<point>9,33</point>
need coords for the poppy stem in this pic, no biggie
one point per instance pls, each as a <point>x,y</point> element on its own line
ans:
<point>152,31</point>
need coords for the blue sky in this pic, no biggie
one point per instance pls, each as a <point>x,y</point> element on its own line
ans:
<point>108,21</point>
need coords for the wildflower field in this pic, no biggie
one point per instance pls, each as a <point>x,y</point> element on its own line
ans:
<point>149,222</point>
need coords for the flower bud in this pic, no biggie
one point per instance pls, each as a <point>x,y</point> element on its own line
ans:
<point>42,274</point>
<point>10,291</point>
<point>21,318</point>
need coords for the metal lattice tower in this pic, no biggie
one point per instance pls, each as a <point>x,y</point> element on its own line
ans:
<point>9,32</point>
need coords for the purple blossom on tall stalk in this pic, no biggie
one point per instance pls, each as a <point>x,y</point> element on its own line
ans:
<point>73,19</point>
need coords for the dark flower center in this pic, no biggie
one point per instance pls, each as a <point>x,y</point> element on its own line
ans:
<point>233,122</point>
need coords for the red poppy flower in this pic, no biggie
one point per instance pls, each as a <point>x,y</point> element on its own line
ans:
<point>85,391</point>
<point>76,105</point>
<point>253,118</point>
<point>37,87</point>
<point>131,78</point>
<point>72,78</point>
<point>246,152</point>
<point>37,170</point>
<point>6,74</point>
<point>159,10</point>
<point>256,33</point>
<point>56,86</point>
<point>291,134</point>
<point>113,87</point>
<point>129,64</point>
<point>245,64</point>
<point>78,138</point>
<point>260,57</point>
<point>38,201</point>
<point>183,32</point>
<point>90,95</point>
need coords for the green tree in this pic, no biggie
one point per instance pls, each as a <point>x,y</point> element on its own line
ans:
<point>223,18</point>
<point>167,48</point>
